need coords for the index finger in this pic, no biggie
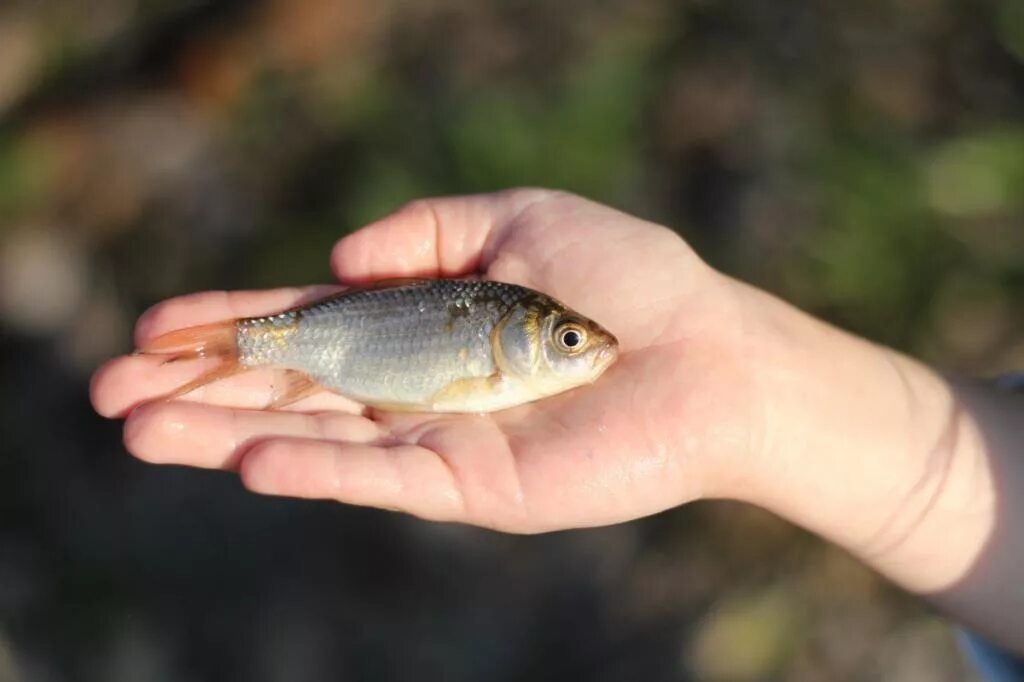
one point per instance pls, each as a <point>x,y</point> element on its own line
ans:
<point>215,306</point>
<point>437,237</point>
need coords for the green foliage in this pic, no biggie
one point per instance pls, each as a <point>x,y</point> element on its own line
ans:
<point>981,173</point>
<point>584,138</point>
<point>25,173</point>
<point>872,260</point>
<point>1010,27</point>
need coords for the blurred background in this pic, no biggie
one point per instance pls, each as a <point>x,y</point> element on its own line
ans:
<point>864,160</point>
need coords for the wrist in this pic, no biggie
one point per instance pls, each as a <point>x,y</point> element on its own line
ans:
<point>862,446</point>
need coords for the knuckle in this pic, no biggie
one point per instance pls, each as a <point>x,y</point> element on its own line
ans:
<point>417,206</point>
<point>531,194</point>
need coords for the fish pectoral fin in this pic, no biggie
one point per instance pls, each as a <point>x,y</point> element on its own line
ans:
<point>297,386</point>
<point>462,392</point>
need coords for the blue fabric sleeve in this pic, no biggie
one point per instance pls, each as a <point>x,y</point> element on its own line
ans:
<point>992,663</point>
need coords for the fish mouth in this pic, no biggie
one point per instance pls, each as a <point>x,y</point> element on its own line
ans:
<point>605,357</point>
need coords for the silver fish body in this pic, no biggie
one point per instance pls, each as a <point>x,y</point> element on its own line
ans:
<point>436,345</point>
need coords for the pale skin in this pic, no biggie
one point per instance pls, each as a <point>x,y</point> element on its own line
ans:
<point>720,391</point>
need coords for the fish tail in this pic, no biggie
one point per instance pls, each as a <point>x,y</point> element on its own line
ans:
<point>218,340</point>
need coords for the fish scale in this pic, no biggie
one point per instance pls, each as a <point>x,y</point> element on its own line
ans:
<point>439,345</point>
<point>355,342</point>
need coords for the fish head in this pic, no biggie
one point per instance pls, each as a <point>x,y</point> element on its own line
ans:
<point>553,348</point>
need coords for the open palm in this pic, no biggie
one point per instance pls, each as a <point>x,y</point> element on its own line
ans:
<point>656,430</point>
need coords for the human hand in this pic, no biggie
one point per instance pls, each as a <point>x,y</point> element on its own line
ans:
<point>661,427</point>
<point>720,390</point>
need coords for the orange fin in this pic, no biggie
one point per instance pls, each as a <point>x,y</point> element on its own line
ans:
<point>297,387</point>
<point>222,371</point>
<point>217,340</point>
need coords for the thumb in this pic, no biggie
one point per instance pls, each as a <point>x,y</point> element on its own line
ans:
<point>436,237</point>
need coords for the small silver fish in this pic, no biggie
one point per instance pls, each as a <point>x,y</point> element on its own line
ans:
<point>440,345</point>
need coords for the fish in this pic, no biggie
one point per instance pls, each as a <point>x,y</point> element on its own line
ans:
<point>410,345</point>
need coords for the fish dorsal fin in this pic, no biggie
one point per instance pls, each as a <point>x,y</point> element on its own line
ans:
<point>358,289</point>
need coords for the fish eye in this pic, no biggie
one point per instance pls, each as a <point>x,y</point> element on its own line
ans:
<point>570,337</point>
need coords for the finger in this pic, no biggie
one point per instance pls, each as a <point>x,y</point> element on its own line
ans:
<point>214,306</point>
<point>128,381</point>
<point>447,236</point>
<point>215,437</point>
<point>407,478</point>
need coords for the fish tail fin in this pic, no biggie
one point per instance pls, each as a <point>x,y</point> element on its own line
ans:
<point>217,340</point>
